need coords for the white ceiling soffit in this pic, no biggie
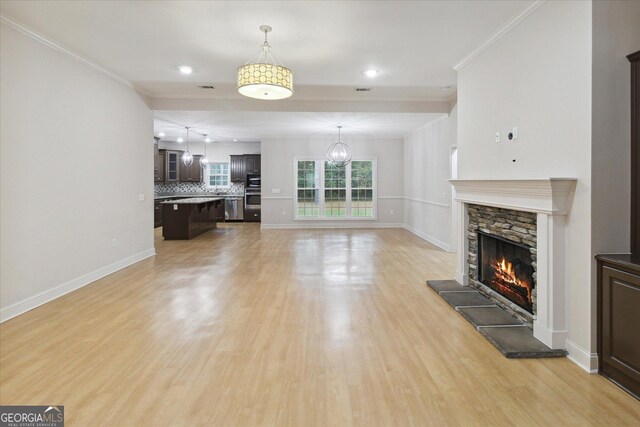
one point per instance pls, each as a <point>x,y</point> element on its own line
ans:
<point>256,126</point>
<point>327,44</point>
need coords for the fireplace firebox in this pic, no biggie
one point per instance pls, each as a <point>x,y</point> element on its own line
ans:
<point>506,267</point>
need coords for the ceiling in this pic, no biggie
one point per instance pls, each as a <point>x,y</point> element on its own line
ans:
<point>327,44</point>
<point>255,126</point>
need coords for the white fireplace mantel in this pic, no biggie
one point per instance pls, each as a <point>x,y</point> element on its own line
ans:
<point>551,199</point>
<point>551,196</point>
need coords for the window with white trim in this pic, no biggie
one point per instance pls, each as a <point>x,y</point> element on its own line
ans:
<point>326,191</point>
<point>219,174</point>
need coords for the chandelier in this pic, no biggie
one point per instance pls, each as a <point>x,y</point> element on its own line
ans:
<point>339,154</point>
<point>265,78</point>
<point>187,157</point>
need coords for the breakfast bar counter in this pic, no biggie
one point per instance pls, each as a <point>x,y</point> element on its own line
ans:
<point>187,218</point>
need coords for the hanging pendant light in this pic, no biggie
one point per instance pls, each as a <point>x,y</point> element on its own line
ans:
<point>264,78</point>
<point>339,154</point>
<point>204,161</point>
<point>187,157</point>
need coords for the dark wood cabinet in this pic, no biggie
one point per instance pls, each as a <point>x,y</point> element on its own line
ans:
<point>172,160</point>
<point>634,58</point>
<point>184,221</point>
<point>157,214</point>
<point>252,215</point>
<point>236,168</point>
<point>192,173</point>
<point>252,164</point>
<point>220,212</point>
<point>159,164</point>
<point>619,320</point>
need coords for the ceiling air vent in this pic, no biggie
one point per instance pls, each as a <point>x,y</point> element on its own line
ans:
<point>363,89</point>
<point>206,87</point>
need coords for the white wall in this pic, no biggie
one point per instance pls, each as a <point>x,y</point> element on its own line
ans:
<point>538,77</point>
<point>216,151</point>
<point>616,33</point>
<point>427,191</point>
<point>277,173</point>
<point>76,152</point>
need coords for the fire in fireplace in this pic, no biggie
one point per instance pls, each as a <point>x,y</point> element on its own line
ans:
<point>506,268</point>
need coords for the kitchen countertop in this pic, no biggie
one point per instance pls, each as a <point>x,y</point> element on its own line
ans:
<point>194,200</point>
<point>191,196</point>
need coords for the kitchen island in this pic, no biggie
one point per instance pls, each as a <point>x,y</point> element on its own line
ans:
<point>187,218</point>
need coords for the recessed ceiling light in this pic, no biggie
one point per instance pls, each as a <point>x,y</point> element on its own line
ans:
<point>185,69</point>
<point>207,140</point>
<point>160,134</point>
<point>371,72</point>
<point>180,140</point>
<point>235,140</point>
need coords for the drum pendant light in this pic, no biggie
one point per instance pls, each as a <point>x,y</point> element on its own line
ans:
<point>265,78</point>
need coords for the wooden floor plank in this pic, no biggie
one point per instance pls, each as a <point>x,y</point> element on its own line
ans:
<point>243,327</point>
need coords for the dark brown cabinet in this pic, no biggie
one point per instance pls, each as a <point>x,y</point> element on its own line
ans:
<point>172,160</point>
<point>236,168</point>
<point>220,212</point>
<point>157,214</point>
<point>192,173</point>
<point>619,320</point>
<point>252,164</point>
<point>159,165</point>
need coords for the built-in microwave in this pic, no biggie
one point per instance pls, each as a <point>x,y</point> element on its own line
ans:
<point>253,181</point>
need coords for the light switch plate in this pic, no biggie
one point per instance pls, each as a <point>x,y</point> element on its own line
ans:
<point>141,197</point>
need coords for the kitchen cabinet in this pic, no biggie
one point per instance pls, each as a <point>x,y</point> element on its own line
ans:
<point>191,173</point>
<point>187,218</point>
<point>236,168</point>
<point>252,164</point>
<point>619,320</point>
<point>159,165</point>
<point>252,215</point>
<point>157,214</point>
<point>220,212</point>
<point>172,161</point>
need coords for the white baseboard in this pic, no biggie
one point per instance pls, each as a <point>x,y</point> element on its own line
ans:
<point>32,302</point>
<point>428,238</point>
<point>307,225</point>
<point>581,357</point>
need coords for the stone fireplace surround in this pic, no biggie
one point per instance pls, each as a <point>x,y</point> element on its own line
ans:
<point>550,200</point>
<point>518,227</point>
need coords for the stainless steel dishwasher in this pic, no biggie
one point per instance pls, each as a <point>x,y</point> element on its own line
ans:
<point>233,208</point>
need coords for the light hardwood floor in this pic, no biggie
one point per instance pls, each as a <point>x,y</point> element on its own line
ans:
<point>242,327</point>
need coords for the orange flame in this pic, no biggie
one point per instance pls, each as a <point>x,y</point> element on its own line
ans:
<point>504,271</point>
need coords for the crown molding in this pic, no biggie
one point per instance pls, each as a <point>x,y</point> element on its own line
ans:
<point>20,27</point>
<point>500,32</point>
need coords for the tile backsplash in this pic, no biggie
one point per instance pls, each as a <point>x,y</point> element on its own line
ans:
<point>195,187</point>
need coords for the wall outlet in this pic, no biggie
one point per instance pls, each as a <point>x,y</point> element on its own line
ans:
<point>391,212</point>
<point>284,213</point>
<point>141,197</point>
<point>497,136</point>
<point>114,242</point>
